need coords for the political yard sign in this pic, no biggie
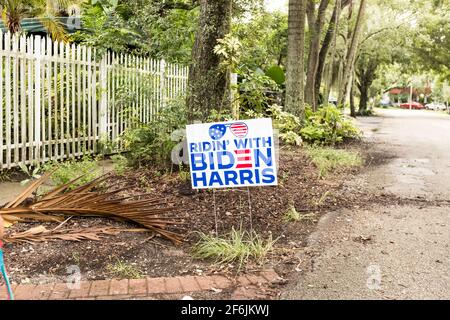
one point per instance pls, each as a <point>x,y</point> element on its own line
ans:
<point>232,154</point>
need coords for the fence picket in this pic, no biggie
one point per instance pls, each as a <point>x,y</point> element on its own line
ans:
<point>57,100</point>
<point>8,98</point>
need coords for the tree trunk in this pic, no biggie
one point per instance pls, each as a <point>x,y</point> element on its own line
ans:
<point>209,82</point>
<point>364,98</point>
<point>316,26</point>
<point>330,38</point>
<point>295,65</point>
<point>366,75</point>
<point>350,59</point>
<point>352,100</point>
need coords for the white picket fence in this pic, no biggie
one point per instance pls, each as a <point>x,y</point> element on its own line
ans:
<point>58,100</point>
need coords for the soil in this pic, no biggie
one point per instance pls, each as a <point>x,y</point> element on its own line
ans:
<point>146,254</point>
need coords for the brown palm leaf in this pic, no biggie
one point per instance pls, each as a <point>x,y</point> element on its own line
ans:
<point>85,200</point>
<point>41,234</point>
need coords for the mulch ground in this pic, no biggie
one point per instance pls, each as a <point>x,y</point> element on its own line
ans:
<point>147,255</point>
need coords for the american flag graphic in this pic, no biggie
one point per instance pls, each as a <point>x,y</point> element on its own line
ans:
<point>244,159</point>
<point>239,129</point>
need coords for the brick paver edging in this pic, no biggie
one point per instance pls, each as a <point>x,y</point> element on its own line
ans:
<point>135,288</point>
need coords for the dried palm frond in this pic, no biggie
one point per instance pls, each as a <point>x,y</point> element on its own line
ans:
<point>86,201</point>
<point>41,234</point>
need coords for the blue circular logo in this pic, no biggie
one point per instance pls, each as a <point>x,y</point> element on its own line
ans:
<point>217,131</point>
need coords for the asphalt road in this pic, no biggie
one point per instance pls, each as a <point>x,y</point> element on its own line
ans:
<point>394,251</point>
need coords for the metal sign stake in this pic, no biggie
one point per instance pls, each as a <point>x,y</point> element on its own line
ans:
<point>250,208</point>
<point>215,213</point>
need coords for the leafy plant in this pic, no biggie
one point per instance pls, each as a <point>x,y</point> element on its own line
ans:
<point>71,169</point>
<point>238,246</point>
<point>183,175</point>
<point>229,49</point>
<point>32,171</point>
<point>153,143</point>
<point>329,160</point>
<point>255,90</point>
<point>120,164</point>
<point>288,125</point>
<point>327,126</point>
<point>276,73</point>
<point>5,175</point>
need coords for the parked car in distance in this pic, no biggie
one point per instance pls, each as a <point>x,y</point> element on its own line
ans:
<point>412,105</point>
<point>386,103</point>
<point>436,106</point>
<point>332,100</point>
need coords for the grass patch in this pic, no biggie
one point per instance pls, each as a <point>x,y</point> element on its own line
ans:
<point>329,160</point>
<point>124,270</point>
<point>236,247</point>
<point>292,215</point>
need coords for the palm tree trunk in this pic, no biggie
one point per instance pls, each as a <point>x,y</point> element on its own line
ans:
<point>352,99</point>
<point>329,42</point>
<point>316,27</point>
<point>351,54</point>
<point>295,64</point>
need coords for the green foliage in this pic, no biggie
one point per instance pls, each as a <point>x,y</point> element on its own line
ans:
<point>276,74</point>
<point>120,164</point>
<point>330,160</point>
<point>184,175</point>
<point>153,143</point>
<point>291,215</point>
<point>140,27</point>
<point>220,116</point>
<point>254,89</point>
<point>104,29</point>
<point>32,171</point>
<point>71,169</point>
<point>264,38</point>
<point>431,40</point>
<point>124,270</point>
<point>287,124</point>
<point>229,49</point>
<point>327,126</point>
<point>237,246</point>
<point>5,175</point>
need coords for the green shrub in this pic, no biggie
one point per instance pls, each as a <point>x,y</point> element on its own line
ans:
<point>257,91</point>
<point>287,124</point>
<point>238,246</point>
<point>327,126</point>
<point>152,143</point>
<point>120,164</point>
<point>71,169</point>
<point>32,171</point>
<point>329,160</point>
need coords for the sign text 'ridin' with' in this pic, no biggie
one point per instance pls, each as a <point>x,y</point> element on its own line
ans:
<point>232,154</point>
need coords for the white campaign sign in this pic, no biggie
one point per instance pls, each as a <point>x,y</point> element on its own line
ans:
<point>232,154</point>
